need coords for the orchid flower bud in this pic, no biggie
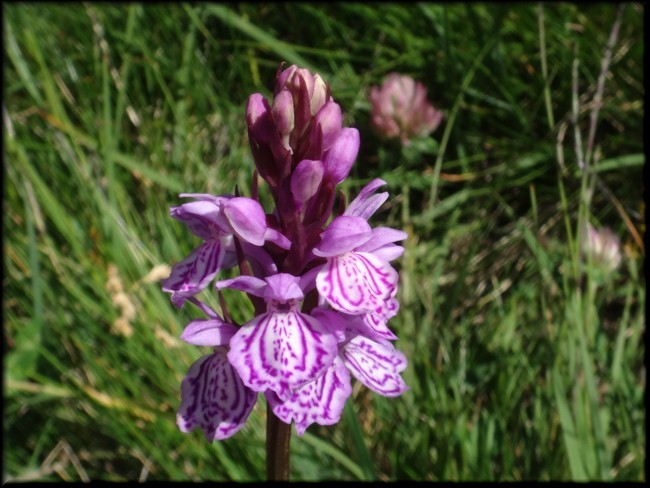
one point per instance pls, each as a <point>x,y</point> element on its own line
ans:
<point>328,121</point>
<point>319,95</point>
<point>283,77</point>
<point>340,157</point>
<point>309,94</point>
<point>305,180</point>
<point>272,158</point>
<point>283,115</point>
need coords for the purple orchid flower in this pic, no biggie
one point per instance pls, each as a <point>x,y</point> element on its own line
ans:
<point>323,294</point>
<point>320,401</point>
<point>216,220</point>
<point>282,349</point>
<point>213,396</point>
<point>371,358</point>
<point>357,278</point>
<point>374,362</point>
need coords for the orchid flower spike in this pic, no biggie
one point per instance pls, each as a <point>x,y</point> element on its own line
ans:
<point>323,287</point>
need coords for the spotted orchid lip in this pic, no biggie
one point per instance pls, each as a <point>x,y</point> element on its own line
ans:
<point>281,352</point>
<point>193,274</point>
<point>320,401</point>
<point>376,364</point>
<point>214,398</point>
<point>356,283</point>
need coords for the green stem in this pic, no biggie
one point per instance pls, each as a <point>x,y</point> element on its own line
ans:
<point>278,437</point>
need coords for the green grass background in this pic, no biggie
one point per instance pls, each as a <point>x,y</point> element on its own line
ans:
<point>524,363</point>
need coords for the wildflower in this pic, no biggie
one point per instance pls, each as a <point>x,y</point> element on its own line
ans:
<point>371,358</point>
<point>216,219</point>
<point>357,278</point>
<point>603,246</point>
<point>321,401</point>
<point>213,396</point>
<point>400,109</point>
<point>282,349</point>
<point>323,293</point>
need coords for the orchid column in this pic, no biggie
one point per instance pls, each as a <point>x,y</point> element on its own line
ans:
<point>321,284</point>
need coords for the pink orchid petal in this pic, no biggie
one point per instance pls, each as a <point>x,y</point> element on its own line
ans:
<point>382,236</point>
<point>335,322</point>
<point>389,252</point>
<point>214,398</point>
<point>339,158</point>
<point>372,325</point>
<point>281,352</point>
<point>277,238</point>
<point>376,364</point>
<point>385,310</point>
<point>320,401</point>
<point>260,120</point>
<point>248,284</point>
<point>194,273</point>
<point>247,219</point>
<point>283,113</point>
<point>357,282</point>
<point>366,203</point>
<point>376,328</point>
<point>203,218</point>
<point>307,281</point>
<point>262,262</point>
<point>283,287</point>
<point>342,235</point>
<point>328,121</point>
<point>208,332</point>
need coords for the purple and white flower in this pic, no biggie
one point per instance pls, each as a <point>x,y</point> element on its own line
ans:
<point>323,293</point>
<point>375,363</point>
<point>320,401</point>
<point>357,278</point>
<point>371,359</point>
<point>213,397</point>
<point>216,220</point>
<point>282,349</point>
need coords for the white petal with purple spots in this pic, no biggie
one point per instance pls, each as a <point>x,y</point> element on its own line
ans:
<point>320,401</point>
<point>214,398</point>
<point>191,275</point>
<point>357,282</point>
<point>281,351</point>
<point>376,364</point>
<point>376,327</point>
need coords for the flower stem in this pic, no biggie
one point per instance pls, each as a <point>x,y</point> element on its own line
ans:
<point>278,436</point>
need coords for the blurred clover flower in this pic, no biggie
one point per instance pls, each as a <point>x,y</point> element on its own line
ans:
<point>603,246</point>
<point>323,292</point>
<point>400,109</point>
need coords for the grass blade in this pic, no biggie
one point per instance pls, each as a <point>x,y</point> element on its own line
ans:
<point>285,51</point>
